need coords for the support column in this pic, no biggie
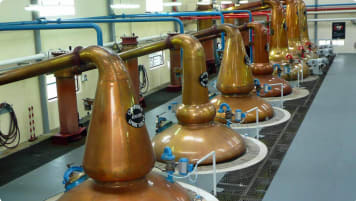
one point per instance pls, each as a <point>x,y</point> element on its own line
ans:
<point>112,32</point>
<point>41,78</point>
<point>316,25</point>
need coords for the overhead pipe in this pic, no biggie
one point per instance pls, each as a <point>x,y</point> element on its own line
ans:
<point>330,12</point>
<point>22,60</point>
<point>232,16</point>
<point>331,19</point>
<point>172,19</point>
<point>330,5</point>
<point>99,33</point>
<point>93,20</point>
<point>331,9</point>
<point>174,14</point>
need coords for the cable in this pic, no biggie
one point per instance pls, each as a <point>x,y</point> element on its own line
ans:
<point>144,82</point>
<point>14,132</point>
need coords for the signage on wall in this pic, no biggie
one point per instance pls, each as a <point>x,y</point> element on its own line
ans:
<point>338,30</point>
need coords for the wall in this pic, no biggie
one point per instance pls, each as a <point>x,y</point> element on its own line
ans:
<point>324,28</point>
<point>26,93</point>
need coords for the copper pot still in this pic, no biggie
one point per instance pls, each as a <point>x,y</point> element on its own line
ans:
<point>118,154</point>
<point>196,133</point>
<point>278,46</point>
<point>262,69</point>
<point>235,80</point>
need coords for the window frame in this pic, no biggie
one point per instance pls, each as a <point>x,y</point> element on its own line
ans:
<point>152,56</point>
<point>77,87</point>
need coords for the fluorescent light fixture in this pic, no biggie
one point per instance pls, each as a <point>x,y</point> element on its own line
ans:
<point>154,5</point>
<point>125,6</point>
<point>243,1</point>
<point>167,4</point>
<point>226,2</point>
<point>204,2</point>
<point>338,42</point>
<point>47,11</point>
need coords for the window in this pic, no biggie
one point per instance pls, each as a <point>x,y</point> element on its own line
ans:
<point>337,42</point>
<point>156,59</point>
<point>53,8</point>
<point>154,6</point>
<point>52,86</point>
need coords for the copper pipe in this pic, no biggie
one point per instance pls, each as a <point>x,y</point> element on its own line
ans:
<point>37,69</point>
<point>264,7</point>
<point>212,37</point>
<point>248,6</point>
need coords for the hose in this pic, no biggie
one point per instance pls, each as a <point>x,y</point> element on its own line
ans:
<point>144,82</point>
<point>6,139</point>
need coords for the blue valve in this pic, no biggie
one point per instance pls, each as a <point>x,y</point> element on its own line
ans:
<point>287,69</point>
<point>279,69</point>
<point>168,157</point>
<point>267,88</point>
<point>257,86</point>
<point>172,106</point>
<point>184,166</point>
<point>73,177</point>
<point>239,115</point>
<point>167,154</point>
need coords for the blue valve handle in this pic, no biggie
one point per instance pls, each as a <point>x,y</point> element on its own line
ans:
<point>67,175</point>
<point>222,106</point>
